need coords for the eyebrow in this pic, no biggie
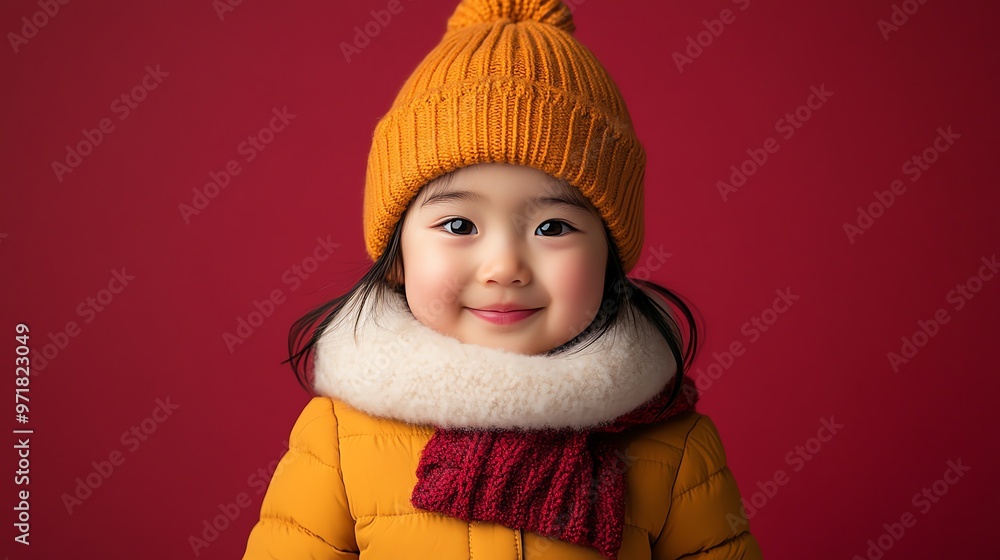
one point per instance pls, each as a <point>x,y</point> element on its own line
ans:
<point>469,196</point>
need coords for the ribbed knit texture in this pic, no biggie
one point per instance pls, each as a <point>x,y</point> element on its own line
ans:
<point>564,484</point>
<point>509,83</point>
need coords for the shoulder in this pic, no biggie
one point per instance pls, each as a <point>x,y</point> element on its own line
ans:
<point>317,410</point>
<point>701,511</point>
<point>687,444</point>
<point>311,433</point>
<point>322,415</point>
<point>679,431</point>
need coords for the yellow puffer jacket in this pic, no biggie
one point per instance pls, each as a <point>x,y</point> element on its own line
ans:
<point>343,491</point>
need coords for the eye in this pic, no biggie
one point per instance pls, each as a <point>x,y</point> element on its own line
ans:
<point>554,228</point>
<point>460,226</point>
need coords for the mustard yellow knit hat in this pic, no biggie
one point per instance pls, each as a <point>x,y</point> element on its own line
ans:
<point>509,83</point>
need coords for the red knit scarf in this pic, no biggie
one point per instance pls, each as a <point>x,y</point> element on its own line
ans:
<point>566,484</point>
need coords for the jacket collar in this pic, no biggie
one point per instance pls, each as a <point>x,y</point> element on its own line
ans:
<point>398,368</point>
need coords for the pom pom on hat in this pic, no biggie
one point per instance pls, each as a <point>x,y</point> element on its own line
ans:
<point>476,12</point>
<point>509,83</point>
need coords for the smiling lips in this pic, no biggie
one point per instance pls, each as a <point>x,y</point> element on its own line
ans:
<point>503,317</point>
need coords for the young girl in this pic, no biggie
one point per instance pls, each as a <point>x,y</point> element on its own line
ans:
<point>496,387</point>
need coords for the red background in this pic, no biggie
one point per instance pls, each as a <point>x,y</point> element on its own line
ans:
<point>162,336</point>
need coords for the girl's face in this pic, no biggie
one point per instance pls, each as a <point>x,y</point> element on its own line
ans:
<point>505,238</point>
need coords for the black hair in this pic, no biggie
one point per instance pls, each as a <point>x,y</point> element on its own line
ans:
<point>620,292</point>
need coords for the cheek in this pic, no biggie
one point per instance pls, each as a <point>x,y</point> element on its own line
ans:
<point>431,282</point>
<point>580,285</point>
<point>430,270</point>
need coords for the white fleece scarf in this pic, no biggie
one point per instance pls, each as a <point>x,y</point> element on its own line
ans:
<point>399,368</point>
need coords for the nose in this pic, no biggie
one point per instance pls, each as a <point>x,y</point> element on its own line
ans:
<point>504,263</point>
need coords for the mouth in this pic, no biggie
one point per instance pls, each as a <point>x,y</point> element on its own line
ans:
<point>504,317</point>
